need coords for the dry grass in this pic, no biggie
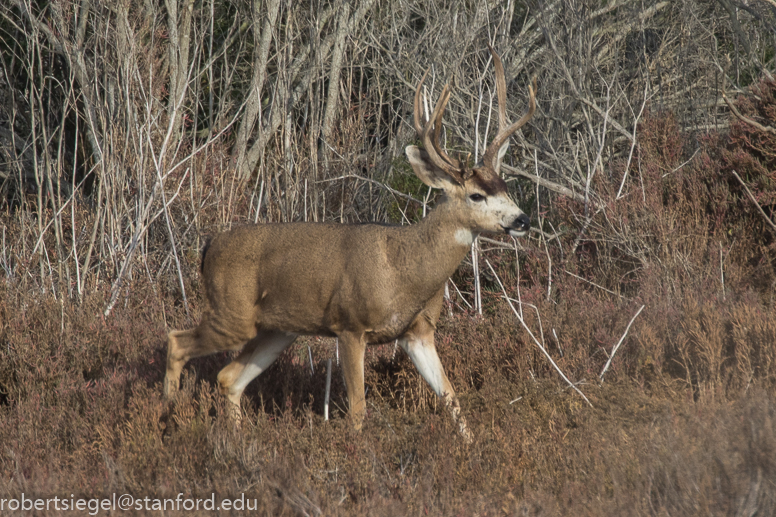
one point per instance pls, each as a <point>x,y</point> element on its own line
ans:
<point>82,413</point>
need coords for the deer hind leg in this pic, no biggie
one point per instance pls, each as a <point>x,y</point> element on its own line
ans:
<point>183,345</point>
<point>257,355</point>
<point>352,348</point>
<point>419,345</point>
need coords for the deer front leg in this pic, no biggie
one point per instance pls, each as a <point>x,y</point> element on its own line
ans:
<point>420,347</point>
<point>352,348</point>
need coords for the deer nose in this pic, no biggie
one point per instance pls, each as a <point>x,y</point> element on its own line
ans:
<point>522,223</point>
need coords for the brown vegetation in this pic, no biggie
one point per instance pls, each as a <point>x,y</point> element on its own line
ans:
<point>646,190</point>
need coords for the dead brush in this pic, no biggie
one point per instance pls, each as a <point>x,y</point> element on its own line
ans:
<point>393,379</point>
<point>702,343</point>
<point>337,190</point>
<point>753,334</point>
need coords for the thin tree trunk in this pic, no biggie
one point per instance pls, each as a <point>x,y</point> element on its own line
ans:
<point>300,64</point>
<point>255,93</point>
<point>178,56</point>
<point>334,80</point>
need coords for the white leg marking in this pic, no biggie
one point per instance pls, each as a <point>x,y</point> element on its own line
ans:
<point>262,358</point>
<point>427,362</point>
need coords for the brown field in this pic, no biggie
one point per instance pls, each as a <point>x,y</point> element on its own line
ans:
<point>82,413</point>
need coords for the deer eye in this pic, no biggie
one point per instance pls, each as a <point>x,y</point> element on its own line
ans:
<point>477,197</point>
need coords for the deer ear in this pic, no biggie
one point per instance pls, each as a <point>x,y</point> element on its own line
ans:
<point>424,169</point>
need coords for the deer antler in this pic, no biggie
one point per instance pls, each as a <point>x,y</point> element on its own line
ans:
<point>491,156</point>
<point>430,130</point>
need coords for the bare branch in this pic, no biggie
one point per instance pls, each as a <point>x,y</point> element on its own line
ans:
<point>536,342</point>
<point>746,119</point>
<point>754,200</point>
<point>617,346</point>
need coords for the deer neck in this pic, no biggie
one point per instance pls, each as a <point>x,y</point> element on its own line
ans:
<point>438,244</point>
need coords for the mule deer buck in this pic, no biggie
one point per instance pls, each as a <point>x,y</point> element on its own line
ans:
<point>362,283</point>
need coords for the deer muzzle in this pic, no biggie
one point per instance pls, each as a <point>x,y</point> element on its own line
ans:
<point>519,227</point>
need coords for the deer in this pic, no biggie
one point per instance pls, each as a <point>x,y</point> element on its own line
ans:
<point>364,284</point>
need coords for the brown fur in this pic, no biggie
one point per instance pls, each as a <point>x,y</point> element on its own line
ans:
<point>489,183</point>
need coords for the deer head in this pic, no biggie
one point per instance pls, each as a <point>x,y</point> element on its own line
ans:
<point>480,188</point>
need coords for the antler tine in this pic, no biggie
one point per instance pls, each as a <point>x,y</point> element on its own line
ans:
<point>419,119</point>
<point>491,154</point>
<point>501,90</point>
<point>429,130</point>
<point>443,99</point>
